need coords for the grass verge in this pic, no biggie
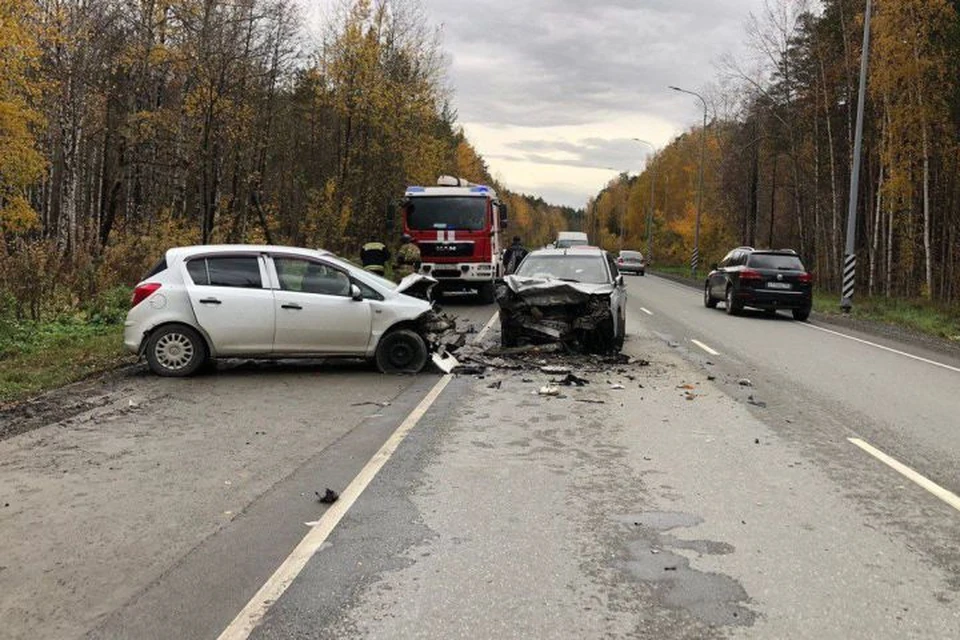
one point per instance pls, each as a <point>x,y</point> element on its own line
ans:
<point>921,316</point>
<point>37,357</point>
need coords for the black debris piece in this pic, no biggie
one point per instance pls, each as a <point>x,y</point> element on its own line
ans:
<point>757,403</point>
<point>572,380</point>
<point>469,369</point>
<point>495,385</point>
<point>329,496</point>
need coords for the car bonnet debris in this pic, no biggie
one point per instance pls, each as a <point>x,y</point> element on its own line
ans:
<point>540,311</point>
<point>417,285</point>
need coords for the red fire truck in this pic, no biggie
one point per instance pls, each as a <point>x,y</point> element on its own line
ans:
<point>457,226</point>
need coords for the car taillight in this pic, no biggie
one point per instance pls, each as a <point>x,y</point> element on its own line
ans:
<point>805,278</point>
<point>619,260</point>
<point>750,274</point>
<point>142,292</point>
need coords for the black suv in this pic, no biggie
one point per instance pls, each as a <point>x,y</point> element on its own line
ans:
<point>762,279</point>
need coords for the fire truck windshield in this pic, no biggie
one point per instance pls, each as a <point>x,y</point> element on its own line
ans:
<point>437,212</point>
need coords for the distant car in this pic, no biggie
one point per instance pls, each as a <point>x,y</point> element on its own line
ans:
<point>574,296</point>
<point>567,239</point>
<point>761,279</point>
<point>205,302</point>
<point>632,262</point>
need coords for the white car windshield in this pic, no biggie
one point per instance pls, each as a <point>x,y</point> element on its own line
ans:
<point>588,269</point>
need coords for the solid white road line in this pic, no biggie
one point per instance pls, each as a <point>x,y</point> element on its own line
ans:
<point>880,346</point>
<point>646,311</point>
<point>286,573</point>
<point>487,326</point>
<point>947,496</point>
<point>705,347</point>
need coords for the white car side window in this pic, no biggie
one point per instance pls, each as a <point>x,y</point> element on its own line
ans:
<point>307,276</point>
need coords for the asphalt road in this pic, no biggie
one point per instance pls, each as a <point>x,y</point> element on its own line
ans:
<point>658,501</point>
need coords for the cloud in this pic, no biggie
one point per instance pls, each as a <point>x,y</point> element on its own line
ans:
<point>559,87</point>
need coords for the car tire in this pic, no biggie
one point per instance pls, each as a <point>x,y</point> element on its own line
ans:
<point>176,351</point>
<point>801,315</point>
<point>708,300</point>
<point>643,273</point>
<point>620,338</point>
<point>508,335</point>
<point>486,292</point>
<point>401,351</point>
<point>733,307</point>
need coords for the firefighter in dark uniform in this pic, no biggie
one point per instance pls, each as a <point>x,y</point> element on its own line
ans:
<point>374,256</point>
<point>513,256</point>
<point>408,258</point>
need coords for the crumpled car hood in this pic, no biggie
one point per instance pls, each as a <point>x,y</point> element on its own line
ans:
<point>417,285</point>
<point>541,291</point>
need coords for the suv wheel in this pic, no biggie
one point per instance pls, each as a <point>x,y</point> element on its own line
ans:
<point>175,351</point>
<point>401,351</point>
<point>801,315</point>
<point>733,307</point>
<point>708,300</point>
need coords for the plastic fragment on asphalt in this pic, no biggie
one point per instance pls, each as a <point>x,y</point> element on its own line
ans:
<point>744,382</point>
<point>555,370</point>
<point>445,362</point>
<point>591,400</point>
<point>617,386</point>
<point>549,391</point>
<point>329,497</point>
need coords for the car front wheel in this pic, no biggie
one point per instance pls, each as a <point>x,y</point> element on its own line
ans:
<point>401,351</point>
<point>708,300</point>
<point>175,351</point>
<point>733,307</point>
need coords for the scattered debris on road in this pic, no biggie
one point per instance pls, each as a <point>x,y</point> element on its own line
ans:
<point>370,402</point>
<point>744,382</point>
<point>572,380</point>
<point>495,385</point>
<point>591,400</point>
<point>549,391</point>
<point>757,403</point>
<point>329,497</point>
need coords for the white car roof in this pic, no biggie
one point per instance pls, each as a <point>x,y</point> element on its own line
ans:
<point>182,253</point>
<point>582,250</point>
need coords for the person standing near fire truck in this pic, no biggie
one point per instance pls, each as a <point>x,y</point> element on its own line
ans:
<point>408,258</point>
<point>374,256</point>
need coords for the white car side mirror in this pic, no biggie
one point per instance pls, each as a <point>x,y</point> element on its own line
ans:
<point>356,293</point>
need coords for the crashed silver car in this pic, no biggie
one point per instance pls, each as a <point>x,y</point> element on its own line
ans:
<point>573,296</point>
<point>206,302</point>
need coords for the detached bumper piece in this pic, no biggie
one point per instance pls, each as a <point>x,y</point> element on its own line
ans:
<point>576,315</point>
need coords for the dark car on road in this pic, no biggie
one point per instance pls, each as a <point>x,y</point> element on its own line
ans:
<point>761,279</point>
<point>632,262</point>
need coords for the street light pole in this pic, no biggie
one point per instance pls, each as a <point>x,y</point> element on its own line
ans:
<point>695,259</point>
<point>653,182</point>
<point>850,252</point>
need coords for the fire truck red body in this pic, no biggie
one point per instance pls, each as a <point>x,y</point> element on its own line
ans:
<point>457,227</point>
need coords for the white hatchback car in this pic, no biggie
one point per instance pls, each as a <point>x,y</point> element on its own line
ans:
<point>204,302</point>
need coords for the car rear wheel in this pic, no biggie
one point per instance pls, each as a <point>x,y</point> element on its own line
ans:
<point>175,351</point>
<point>801,315</point>
<point>401,351</point>
<point>733,307</point>
<point>708,300</point>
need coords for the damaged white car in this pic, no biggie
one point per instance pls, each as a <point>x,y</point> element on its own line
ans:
<point>573,296</point>
<point>205,302</point>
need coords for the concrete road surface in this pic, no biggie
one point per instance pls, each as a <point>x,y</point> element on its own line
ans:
<point>661,500</point>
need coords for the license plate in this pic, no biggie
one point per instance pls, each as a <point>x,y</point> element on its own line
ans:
<point>779,285</point>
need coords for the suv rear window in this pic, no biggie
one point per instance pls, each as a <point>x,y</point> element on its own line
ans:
<point>230,271</point>
<point>779,261</point>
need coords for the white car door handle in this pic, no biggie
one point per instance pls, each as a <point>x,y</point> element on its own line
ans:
<point>291,305</point>
<point>210,301</point>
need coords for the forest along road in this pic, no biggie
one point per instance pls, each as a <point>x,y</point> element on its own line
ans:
<point>142,507</point>
<point>661,499</point>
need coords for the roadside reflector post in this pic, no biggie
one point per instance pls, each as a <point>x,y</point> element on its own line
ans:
<point>850,253</point>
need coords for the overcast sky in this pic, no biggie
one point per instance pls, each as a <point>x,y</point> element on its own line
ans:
<point>551,92</point>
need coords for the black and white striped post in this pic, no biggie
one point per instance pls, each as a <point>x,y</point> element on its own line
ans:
<point>694,260</point>
<point>850,253</point>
